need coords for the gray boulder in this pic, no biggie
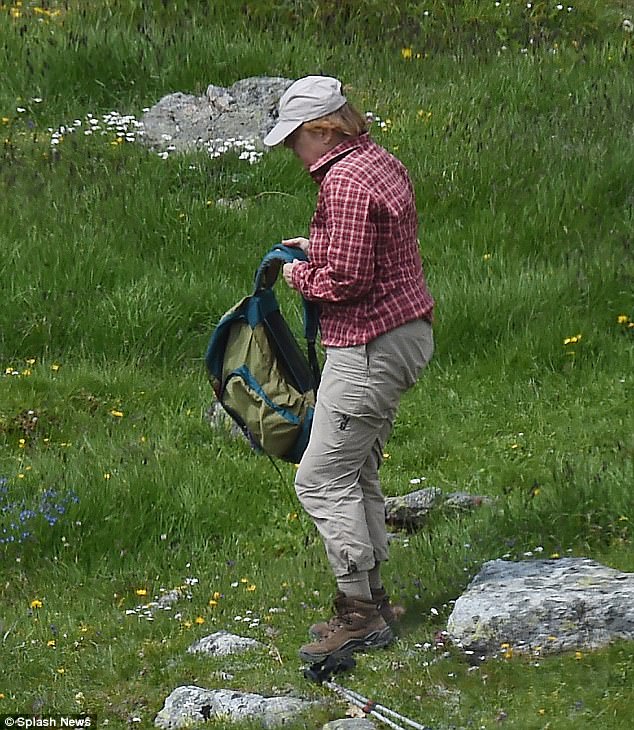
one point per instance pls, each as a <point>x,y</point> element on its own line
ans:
<point>410,511</point>
<point>189,705</point>
<point>543,607</point>
<point>222,643</point>
<point>237,117</point>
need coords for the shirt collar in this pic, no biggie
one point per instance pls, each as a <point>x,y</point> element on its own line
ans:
<point>319,169</point>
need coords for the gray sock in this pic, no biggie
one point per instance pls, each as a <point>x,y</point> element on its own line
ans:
<point>355,585</point>
<point>374,577</point>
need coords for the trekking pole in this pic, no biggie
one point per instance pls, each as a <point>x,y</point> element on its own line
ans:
<point>369,706</point>
<point>321,671</point>
<point>367,709</point>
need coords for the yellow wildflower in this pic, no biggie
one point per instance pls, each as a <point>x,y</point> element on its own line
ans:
<point>622,319</point>
<point>55,367</point>
<point>36,603</point>
<point>200,620</point>
<point>60,670</point>
<point>116,413</point>
<point>251,588</point>
<point>47,12</point>
<point>51,643</point>
<point>406,53</point>
<point>141,592</point>
<point>213,603</point>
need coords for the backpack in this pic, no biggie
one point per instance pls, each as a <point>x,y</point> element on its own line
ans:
<point>257,369</point>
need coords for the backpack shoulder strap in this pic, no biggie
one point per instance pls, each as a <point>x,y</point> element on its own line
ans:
<point>269,268</point>
<point>265,278</point>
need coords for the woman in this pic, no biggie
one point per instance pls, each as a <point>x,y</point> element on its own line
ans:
<point>365,271</point>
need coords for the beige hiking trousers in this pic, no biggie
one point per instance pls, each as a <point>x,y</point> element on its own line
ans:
<point>337,481</point>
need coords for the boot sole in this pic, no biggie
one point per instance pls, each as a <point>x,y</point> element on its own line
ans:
<point>376,640</point>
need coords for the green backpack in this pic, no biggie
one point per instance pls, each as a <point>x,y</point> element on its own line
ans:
<point>257,370</point>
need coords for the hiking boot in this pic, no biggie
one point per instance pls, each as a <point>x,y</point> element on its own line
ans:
<point>391,614</point>
<point>357,625</point>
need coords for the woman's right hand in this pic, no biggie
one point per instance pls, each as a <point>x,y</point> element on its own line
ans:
<point>298,242</point>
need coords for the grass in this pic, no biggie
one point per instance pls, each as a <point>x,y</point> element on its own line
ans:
<point>115,265</point>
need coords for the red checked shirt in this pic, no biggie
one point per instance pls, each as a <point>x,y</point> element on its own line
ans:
<point>364,264</point>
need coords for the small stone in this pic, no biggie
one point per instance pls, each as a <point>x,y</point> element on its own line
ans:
<point>189,705</point>
<point>353,723</point>
<point>222,643</point>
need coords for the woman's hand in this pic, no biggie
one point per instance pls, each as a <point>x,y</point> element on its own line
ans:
<point>298,242</point>
<point>287,273</point>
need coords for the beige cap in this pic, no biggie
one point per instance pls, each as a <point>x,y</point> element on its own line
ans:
<point>306,99</point>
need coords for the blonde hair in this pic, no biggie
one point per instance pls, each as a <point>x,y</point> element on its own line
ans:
<point>346,121</point>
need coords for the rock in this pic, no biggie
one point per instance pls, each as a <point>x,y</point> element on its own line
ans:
<point>410,510</point>
<point>169,599</point>
<point>188,705</point>
<point>236,118</point>
<point>543,607</point>
<point>350,723</point>
<point>222,643</point>
<point>465,501</point>
<point>219,419</point>
<point>232,203</point>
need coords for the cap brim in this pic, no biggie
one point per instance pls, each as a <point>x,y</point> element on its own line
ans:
<point>280,132</point>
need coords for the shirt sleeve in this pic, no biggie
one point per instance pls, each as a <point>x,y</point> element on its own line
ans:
<point>348,271</point>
